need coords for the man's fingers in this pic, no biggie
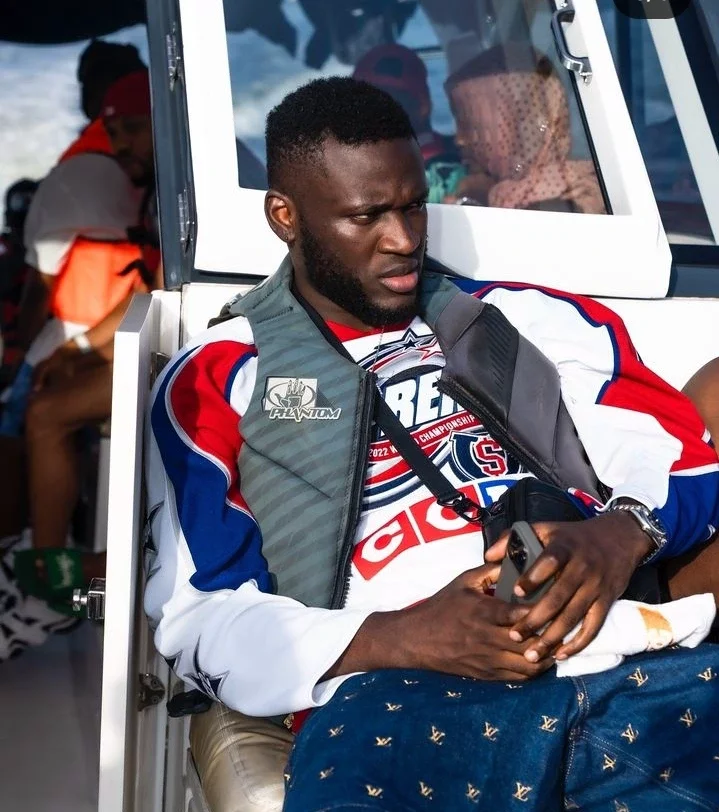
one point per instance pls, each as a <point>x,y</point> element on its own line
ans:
<point>517,665</point>
<point>593,622</point>
<point>574,613</point>
<point>552,561</point>
<point>498,550</point>
<point>501,613</point>
<point>484,577</point>
<point>568,584</point>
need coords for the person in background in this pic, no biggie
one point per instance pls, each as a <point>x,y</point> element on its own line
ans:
<point>400,72</point>
<point>513,129</point>
<point>13,272</point>
<point>81,262</point>
<point>72,388</point>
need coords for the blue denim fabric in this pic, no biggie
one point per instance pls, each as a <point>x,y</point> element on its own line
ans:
<point>643,737</point>
<point>12,419</point>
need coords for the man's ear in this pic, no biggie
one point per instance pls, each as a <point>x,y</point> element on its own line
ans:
<point>281,214</point>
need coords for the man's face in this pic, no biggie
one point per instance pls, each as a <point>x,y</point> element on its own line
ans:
<point>362,231</point>
<point>131,140</point>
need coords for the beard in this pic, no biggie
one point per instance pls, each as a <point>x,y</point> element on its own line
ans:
<point>341,284</point>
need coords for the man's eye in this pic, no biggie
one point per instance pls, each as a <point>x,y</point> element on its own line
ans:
<point>364,218</point>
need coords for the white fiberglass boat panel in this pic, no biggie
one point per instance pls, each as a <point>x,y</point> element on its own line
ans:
<point>132,744</point>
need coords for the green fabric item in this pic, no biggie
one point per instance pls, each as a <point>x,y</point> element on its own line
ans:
<point>51,575</point>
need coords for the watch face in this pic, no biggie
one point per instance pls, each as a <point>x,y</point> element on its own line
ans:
<point>654,525</point>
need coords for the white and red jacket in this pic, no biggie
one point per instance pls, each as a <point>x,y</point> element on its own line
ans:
<point>209,591</point>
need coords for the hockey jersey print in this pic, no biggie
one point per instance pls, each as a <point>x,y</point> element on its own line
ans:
<point>407,546</point>
<point>209,593</point>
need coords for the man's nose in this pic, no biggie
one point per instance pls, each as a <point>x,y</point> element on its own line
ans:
<point>403,232</point>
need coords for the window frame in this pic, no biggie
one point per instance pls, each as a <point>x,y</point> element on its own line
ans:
<point>629,254</point>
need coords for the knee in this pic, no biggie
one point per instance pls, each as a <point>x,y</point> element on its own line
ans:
<point>41,417</point>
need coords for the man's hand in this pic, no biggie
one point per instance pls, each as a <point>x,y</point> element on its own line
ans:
<point>592,562</point>
<point>60,365</point>
<point>460,630</point>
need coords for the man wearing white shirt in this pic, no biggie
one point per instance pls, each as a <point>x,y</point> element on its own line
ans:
<point>287,575</point>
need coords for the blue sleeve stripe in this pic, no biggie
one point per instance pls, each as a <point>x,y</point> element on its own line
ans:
<point>223,538</point>
<point>690,502</point>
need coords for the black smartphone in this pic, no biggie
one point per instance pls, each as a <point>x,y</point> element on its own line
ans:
<point>523,549</point>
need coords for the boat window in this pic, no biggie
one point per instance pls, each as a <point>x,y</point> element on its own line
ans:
<point>533,137</point>
<point>676,143</point>
<point>496,114</point>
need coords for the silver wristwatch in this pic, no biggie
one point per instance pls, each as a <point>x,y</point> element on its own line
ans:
<point>648,522</point>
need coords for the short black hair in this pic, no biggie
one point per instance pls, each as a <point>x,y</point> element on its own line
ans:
<point>100,65</point>
<point>350,111</point>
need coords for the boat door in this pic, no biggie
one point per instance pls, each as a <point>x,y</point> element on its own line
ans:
<point>613,230</point>
<point>135,679</point>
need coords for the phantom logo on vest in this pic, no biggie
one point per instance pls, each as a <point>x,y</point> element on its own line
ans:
<point>296,399</point>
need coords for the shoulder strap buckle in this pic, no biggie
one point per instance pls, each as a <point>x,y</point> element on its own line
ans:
<point>464,507</point>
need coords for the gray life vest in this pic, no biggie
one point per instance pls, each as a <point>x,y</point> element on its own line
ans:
<point>307,428</point>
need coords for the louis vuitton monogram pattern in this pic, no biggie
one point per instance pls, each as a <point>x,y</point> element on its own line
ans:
<point>442,766</point>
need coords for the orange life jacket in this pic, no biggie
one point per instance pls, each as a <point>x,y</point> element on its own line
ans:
<point>97,274</point>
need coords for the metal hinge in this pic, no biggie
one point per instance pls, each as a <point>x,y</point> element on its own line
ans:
<point>151,691</point>
<point>174,60</point>
<point>183,211</point>
<point>158,361</point>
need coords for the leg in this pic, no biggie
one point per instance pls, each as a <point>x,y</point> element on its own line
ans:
<point>53,418</point>
<point>648,735</point>
<point>411,740</point>
<point>240,760</point>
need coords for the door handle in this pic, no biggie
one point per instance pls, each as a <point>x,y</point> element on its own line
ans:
<point>93,600</point>
<point>577,64</point>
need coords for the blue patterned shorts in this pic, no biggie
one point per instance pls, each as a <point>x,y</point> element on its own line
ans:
<point>643,737</point>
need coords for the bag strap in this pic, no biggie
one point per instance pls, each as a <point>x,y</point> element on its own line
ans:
<point>428,473</point>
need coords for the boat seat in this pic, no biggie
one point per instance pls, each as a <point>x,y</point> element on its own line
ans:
<point>239,760</point>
